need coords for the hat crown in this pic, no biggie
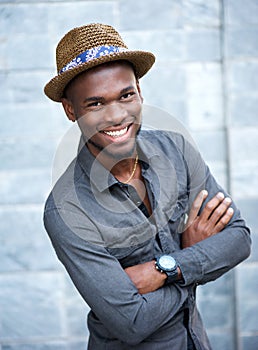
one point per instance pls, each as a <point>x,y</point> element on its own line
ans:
<point>88,46</point>
<point>80,39</point>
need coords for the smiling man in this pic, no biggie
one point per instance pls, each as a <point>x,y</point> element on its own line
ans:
<point>137,218</point>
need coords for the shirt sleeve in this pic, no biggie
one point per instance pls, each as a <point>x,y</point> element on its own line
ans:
<point>105,286</point>
<point>212,257</point>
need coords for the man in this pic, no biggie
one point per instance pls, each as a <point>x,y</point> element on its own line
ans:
<point>116,216</point>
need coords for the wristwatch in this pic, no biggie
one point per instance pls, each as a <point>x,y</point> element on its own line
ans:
<point>168,265</point>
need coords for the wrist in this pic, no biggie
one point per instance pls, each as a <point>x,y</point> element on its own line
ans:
<point>166,265</point>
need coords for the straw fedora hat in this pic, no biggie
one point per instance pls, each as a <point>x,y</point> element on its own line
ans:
<point>88,46</point>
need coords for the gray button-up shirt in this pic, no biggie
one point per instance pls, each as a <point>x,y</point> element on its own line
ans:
<point>98,227</point>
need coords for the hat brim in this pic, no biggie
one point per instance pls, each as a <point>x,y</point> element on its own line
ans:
<point>141,60</point>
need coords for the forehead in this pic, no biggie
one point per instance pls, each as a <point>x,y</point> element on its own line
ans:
<point>113,64</point>
<point>97,76</point>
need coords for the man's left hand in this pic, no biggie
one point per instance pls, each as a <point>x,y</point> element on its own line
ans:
<point>213,219</point>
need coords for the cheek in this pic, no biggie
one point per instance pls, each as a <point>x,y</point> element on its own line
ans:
<point>139,113</point>
<point>87,126</point>
<point>79,113</point>
<point>135,109</point>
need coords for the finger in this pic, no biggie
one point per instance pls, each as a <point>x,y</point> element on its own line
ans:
<point>224,220</point>
<point>219,211</point>
<point>196,206</point>
<point>211,206</point>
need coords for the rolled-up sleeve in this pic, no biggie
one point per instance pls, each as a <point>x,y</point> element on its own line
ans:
<point>105,286</point>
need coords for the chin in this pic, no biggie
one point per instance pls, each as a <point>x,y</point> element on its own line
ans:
<point>120,152</point>
<point>117,152</point>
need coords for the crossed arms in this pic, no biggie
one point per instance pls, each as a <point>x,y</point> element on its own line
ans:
<point>213,219</point>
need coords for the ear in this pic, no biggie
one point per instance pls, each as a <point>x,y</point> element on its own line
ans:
<point>139,90</point>
<point>68,108</point>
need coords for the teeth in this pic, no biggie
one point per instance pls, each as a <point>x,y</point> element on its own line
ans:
<point>116,133</point>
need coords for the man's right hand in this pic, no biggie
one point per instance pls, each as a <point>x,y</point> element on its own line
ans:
<point>214,217</point>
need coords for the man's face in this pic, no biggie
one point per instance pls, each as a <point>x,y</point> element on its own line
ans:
<point>106,101</point>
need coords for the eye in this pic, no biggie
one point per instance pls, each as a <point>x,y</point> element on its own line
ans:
<point>127,95</point>
<point>94,104</point>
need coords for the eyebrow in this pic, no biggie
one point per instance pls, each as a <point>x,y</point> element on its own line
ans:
<point>93,99</point>
<point>128,88</point>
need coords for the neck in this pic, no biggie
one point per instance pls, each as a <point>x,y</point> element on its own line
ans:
<point>122,167</point>
<point>125,170</point>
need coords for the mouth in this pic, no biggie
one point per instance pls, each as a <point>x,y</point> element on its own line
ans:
<point>116,133</point>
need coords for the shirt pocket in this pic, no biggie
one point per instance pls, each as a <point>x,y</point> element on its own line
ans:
<point>176,214</point>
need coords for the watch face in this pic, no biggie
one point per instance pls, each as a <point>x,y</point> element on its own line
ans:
<point>167,262</point>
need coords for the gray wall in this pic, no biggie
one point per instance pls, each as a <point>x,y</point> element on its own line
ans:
<point>206,75</point>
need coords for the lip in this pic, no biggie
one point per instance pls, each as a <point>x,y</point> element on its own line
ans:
<point>117,134</point>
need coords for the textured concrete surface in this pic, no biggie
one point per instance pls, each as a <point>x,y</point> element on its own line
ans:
<point>205,75</point>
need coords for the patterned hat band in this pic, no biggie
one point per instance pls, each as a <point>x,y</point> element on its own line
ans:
<point>91,54</point>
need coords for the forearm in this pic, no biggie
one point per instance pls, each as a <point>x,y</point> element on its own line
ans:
<point>107,289</point>
<point>152,312</point>
<point>128,315</point>
<point>214,256</point>
<point>211,257</point>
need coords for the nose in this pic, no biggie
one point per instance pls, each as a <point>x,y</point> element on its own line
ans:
<point>115,113</point>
